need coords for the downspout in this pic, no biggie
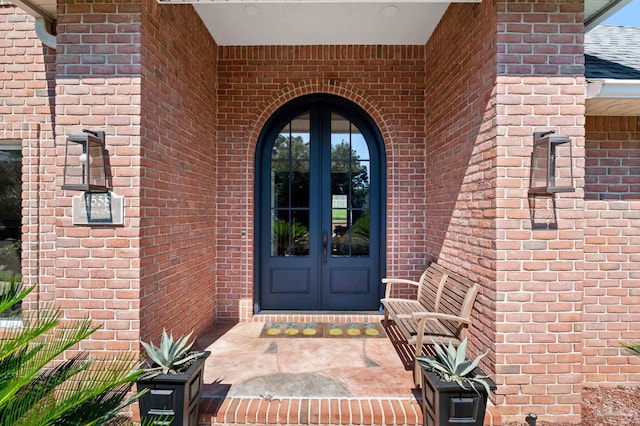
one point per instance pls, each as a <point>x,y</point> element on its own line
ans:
<point>42,31</point>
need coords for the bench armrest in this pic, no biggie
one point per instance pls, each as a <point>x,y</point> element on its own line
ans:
<point>439,316</point>
<point>390,281</point>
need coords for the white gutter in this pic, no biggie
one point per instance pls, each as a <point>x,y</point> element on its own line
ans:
<point>616,89</point>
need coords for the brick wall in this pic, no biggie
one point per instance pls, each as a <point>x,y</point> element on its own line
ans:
<point>27,91</point>
<point>155,98</point>
<point>388,82</point>
<point>540,86</point>
<point>517,68</point>
<point>612,238</point>
<point>177,204</point>
<point>460,98</point>
<point>96,271</point>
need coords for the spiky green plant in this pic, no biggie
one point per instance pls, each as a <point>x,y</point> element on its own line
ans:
<point>36,391</point>
<point>170,354</point>
<point>451,365</point>
<point>633,347</point>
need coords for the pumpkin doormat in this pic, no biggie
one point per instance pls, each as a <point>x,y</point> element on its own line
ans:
<point>317,329</point>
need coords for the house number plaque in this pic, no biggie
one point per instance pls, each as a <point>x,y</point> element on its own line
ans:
<point>103,208</point>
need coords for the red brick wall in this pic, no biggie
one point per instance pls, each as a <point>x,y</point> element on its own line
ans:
<point>177,204</point>
<point>154,95</point>
<point>612,238</point>
<point>517,68</point>
<point>540,86</point>
<point>27,90</point>
<point>460,97</point>
<point>388,82</point>
<point>96,271</point>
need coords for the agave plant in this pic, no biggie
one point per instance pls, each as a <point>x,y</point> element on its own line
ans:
<point>36,391</point>
<point>170,354</point>
<point>451,365</point>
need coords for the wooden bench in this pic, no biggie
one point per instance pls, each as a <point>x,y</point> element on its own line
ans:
<point>440,313</point>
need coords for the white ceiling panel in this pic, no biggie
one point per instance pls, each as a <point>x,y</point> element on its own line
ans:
<point>310,23</point>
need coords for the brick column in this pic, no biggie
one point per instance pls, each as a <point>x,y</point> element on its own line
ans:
<point>96,269</point>
<point>145,74</point>
<point>540,86</point>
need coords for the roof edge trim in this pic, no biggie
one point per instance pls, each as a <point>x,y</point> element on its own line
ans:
<point>616,89</point>
<point>606,11</point>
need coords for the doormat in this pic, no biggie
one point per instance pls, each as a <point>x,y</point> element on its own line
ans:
<point>318,329</point>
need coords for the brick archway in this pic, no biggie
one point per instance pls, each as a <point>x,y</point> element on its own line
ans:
<point>308,87</point>
<point>263,112</point>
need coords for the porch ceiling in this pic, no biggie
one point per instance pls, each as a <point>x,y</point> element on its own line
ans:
<point>298,22</point>
<point>321,22</point>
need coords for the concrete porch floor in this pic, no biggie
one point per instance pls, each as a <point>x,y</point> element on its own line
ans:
<point>256,380</point>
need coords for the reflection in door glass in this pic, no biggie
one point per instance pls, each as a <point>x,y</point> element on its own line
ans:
<point>10,214</point>
<point>350,164</point>
<point>290,189</point>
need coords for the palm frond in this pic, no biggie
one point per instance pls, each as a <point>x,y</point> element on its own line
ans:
<point>33,327</point>
<point>49,348</point>
<point>98,393</point>
<point>12,292</point>
<point>29,404</point>
<point>35,389</point>
<point>633,347</point>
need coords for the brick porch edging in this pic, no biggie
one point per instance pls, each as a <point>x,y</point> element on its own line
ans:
<point>311,411</point>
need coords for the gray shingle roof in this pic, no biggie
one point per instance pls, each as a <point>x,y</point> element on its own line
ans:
<point>612,52</point>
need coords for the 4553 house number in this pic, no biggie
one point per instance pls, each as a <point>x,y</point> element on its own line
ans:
<point>102,208</point>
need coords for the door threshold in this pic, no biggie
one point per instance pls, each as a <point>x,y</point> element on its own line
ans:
<point>317,316</point>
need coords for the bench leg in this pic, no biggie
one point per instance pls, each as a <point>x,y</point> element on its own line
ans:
<point>386,318</point>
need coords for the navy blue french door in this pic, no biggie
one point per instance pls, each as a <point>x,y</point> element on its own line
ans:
<point>319,215</point>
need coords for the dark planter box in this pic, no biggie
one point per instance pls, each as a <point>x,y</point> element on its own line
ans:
<point>173,399</point>
<point>447,404</point>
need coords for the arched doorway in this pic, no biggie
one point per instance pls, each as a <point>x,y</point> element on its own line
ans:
<point>319,208</point>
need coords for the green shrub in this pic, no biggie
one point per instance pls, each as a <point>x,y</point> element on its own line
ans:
<point>35,390</point>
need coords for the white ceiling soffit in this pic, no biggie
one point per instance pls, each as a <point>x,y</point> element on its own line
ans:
<point>612,107</point>
<point>596,11</point>
<point>394,19</point>
<point>613,97</point>
<point>320,22</point>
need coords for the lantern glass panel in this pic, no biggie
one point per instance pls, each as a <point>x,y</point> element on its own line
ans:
<point>539,166</point>
<point>85,163</point>
<point>75,165</point>
<point>551,164</point>
<point>96,175</point>
<point>561,175</point>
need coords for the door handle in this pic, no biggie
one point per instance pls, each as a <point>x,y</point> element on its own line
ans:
<point>325,242</point>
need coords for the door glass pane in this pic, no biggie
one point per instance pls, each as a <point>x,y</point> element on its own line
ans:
<point>350,180</point>
<point>360,184</point>
<point>280,187</point>
<point>10,214</point>
<point>290,189</point>
<point>359,145</point>
<point>290,233</point>
<point>300,183</point>
<point>360,233</point>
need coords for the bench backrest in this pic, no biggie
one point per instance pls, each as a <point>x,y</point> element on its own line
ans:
<point>457,296</point>
<point>431,283</point>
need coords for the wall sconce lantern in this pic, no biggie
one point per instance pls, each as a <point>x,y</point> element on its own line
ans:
<point>85,162</point>
<point>551,164</point>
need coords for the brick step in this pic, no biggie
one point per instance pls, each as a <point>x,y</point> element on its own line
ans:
<point>310,411</point>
